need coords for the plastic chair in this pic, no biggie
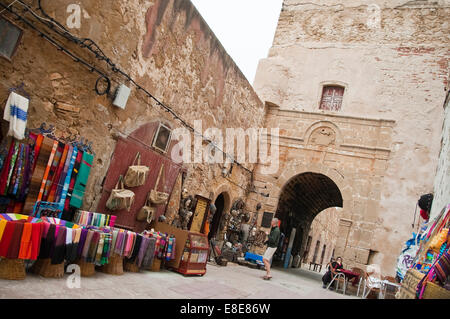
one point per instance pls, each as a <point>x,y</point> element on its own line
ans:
<point>338,278</point>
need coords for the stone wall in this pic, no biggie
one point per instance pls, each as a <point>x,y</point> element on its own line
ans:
<point>392,60</point>
<point>167,48</point>
<point>442,179</point>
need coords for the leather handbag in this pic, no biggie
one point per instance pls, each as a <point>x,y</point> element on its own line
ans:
<point>146,213</point>
<point>120,198</point>
<point>155,197</point>
<point>136,174</point>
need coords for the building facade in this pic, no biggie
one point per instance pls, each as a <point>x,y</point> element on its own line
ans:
<point>357,88</point>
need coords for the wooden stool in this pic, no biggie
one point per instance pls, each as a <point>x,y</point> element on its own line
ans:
<point>131,266</point>
<point>156,266</point>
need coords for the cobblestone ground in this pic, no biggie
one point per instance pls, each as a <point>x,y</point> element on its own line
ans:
<point>232,281</point>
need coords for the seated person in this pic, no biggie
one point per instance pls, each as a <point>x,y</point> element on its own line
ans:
<point>333,268</point>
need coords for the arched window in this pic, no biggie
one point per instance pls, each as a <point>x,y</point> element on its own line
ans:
<point>332,96</point>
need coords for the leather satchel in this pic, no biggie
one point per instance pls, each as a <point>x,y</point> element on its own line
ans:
<point>155,197</point>
<point>136,174</point>
<point>120,198</point>
<point>146,213</point>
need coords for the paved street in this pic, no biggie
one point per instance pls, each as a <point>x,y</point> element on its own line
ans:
<point>232,281</point>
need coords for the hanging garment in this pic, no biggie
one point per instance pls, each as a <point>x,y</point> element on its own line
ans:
<point>14,245</point>
<point>52,172</point>
<point>66,185</point>
<point>59,250</point>
<point>16,172</point>
<point>29,166</point>
<point>25,242</point>
<point>47,170</point>
<point>6,168</point>
<point>73,178</point>
<point>83,236</point>
<point>87,244</point>
<point>63,176</point>
<point>115,232</point>
<point>56,180</point>
<point>16,113</point>
<point>69,243</point>
<point>150,253</point>
<point>12,167</point>
<point>81,181</point>
<point>6,238</point>
<point>142,250</point>
<point>4,151</point>
<point>36,236</point>
<point>92,252</point>
<point>99,250</point>
<point>106,249</point>
<point>136,248</point>
<point>47,242</point>
<point>3,223</point>
<point>76,236</point>
<point>121,241</point>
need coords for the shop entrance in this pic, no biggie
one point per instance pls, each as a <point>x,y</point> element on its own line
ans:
<point>220,205</point>
<point>302,198</point>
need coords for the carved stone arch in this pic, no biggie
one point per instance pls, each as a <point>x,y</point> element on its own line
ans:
<point>323,128</point>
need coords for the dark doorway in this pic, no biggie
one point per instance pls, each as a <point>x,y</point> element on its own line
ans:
<point>219,203</point>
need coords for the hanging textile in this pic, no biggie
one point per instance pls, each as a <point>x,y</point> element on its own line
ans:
<point>52,172</point>
<point>42,158</point>
<point>56,180</point>
<point>81,180</point>
<point>62,180</point>
<point>16,113</point>
<point>73,177</point>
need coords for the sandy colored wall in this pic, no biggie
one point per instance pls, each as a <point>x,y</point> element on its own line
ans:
<point>167,47</point>
<point>393,63</point>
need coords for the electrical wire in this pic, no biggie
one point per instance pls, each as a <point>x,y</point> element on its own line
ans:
<point>99,54</point>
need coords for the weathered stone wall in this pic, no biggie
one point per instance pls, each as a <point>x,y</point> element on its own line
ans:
<point>442,179</point>
<point>392,60</point>
<point>167,48</point>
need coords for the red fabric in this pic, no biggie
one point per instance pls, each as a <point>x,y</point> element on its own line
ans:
<point>25,242</point>
<point>14,244</point>
<point>36,236</point>
<point>351,276</point>
<point>6,238</point>
<point>425,215</point>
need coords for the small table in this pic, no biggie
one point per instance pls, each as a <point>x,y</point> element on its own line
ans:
<point>384,284</point>
<point>348,275</point>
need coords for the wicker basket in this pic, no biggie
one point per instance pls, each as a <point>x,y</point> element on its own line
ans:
<point>156,266</point>
<point>45,268</point>
<point>12,269</point>
<point>86,269</point>
<point>114,265</point>
<point>409,284</point>
<point>130,266</point>
<point>434,291</point>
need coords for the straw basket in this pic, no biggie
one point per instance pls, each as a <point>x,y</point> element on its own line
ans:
<point>130,266</point>
<point>409,284</point>
<point>45,268</point>
<point>434,291</point>
<point>12,269</point>
<point>114,265</point>
<point>156,266</point>
<point>86,269</point>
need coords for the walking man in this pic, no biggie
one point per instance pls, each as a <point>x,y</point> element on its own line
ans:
<point>272,244</point>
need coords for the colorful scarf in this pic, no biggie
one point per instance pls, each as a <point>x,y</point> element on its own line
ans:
<point>73,178</point>
<point>81,180</point>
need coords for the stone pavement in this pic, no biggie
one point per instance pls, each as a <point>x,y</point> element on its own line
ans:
<point>230,282</point>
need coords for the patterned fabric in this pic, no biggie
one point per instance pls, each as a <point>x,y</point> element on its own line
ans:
<point>73,178</point>
<point>56,180</point>
<point>81,181</point>
<point>52,172</point>
<point>6,168</point>
<point>42,157</point>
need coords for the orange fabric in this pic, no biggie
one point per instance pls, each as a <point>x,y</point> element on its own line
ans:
<point>25,242</point>
<point>206,229</point>
<point>3,223</point>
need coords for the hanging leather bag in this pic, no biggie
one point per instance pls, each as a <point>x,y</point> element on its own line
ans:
<point>159,198</point>
<point>136,174</point>
<point>146,213</point>
<point>120,198</point>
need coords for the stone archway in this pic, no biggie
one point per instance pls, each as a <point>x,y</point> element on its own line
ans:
<point>222,201</point>
<point>302,192</point>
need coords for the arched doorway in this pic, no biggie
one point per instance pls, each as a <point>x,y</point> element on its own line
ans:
<point>220,205</point>
<point>301,199</point>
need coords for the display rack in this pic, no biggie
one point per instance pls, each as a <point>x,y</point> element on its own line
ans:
<point>195,255</point>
